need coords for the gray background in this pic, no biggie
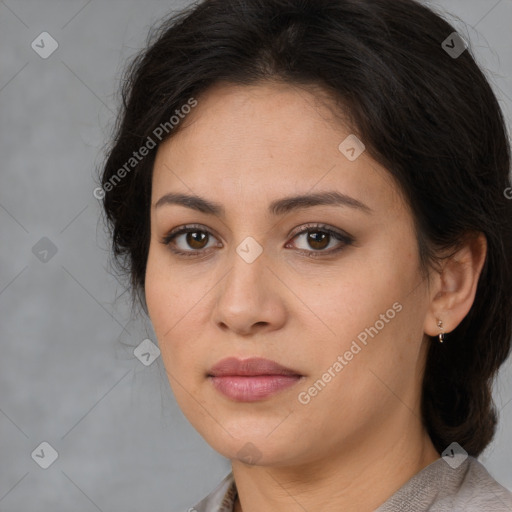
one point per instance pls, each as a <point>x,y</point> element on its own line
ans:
<point>68,375</point>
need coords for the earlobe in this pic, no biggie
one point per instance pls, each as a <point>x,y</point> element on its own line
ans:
<point>454,289</point>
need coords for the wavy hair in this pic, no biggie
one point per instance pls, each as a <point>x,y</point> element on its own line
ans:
<point>429,117</point>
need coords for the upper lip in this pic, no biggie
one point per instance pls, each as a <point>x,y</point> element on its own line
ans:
<point>251,366</point>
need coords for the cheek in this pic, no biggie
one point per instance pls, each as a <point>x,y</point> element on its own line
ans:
<point>348,300</point>
<point>165,306</point>
<point>167,290</point>
<point>370,312</point>
<point>157,292</point>
<point>176,313</point>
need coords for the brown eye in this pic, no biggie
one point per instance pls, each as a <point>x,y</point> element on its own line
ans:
<point>196,239</point>
<point>189,240</point>
<point>317,239</point>
<point>193,241</point>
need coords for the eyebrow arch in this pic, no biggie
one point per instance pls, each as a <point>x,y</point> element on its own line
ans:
<point>278,207</point>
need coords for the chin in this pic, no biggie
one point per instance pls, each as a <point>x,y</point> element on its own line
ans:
<point>252,446</point>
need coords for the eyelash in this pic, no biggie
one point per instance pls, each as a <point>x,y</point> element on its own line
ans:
<point>346,239</point>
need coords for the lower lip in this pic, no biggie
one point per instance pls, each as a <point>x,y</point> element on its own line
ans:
<point>252,389</point>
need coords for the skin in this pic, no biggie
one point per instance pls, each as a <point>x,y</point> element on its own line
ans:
<point>361,438</point>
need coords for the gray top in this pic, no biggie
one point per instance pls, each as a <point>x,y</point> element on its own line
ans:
<point>439,487</point>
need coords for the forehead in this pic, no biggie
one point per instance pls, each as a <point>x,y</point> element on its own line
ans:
<point>263,140</point>
<point>268,119</point>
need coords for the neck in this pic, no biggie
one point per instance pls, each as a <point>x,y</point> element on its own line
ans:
<point>359,479</point>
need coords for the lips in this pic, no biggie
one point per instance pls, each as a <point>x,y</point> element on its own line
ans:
<point>249,367</point>
<point>251,380</point>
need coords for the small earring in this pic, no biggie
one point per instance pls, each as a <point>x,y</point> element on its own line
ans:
<point>441,334</point>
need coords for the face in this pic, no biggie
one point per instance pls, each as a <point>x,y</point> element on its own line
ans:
<point>328,287</point>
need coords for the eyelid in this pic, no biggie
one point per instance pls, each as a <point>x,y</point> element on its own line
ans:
<point>181,230</point>
<point>185,229</point>
<point>319,226</point>
<point>343,237</point>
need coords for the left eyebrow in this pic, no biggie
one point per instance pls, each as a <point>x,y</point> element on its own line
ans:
<point>282,206</point>
<point>278,207</point>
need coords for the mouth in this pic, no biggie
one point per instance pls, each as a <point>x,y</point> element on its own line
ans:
<point>250,380</point>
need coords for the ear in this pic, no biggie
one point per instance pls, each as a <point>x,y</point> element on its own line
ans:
<point>453,289</point>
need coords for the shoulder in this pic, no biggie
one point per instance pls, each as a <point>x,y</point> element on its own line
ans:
<point>441,487</point>
<point>478,491</point>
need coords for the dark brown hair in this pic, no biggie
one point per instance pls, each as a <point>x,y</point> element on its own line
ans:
<point>426,115</point>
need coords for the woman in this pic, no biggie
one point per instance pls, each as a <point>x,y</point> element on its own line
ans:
<point>309,197</point>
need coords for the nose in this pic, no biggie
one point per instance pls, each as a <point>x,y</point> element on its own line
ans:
<point>249,300</point>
